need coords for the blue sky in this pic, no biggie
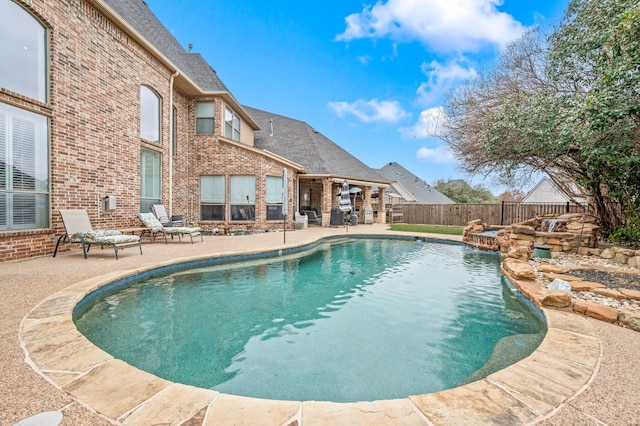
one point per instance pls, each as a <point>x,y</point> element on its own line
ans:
<point>367,75</point>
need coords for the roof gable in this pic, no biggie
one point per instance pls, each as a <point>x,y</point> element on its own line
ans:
<point>546,191</point>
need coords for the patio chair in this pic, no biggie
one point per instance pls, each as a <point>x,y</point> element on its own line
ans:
<point>160,213</point>
<point>313,216</point>
<point>156,228</point>
<point>78,230</point>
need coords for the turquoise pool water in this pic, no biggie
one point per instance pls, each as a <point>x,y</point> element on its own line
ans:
<point>347,321</point>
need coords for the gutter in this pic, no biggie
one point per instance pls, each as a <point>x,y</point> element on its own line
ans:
<point>171,141</point>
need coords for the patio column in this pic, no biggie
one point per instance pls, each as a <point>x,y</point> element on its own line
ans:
<point>382,206</point>
<point>327,200</point>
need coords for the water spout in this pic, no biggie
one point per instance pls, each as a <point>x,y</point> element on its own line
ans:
<point>552,224</point>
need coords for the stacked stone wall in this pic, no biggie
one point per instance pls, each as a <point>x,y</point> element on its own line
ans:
<point>572,233</point>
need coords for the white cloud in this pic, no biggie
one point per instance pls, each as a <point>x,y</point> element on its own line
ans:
<point>364,59</point>
<point>441,78</point>
<point>370,111</point>
<point>443,25</point>
<point>428,124</point>
<point>440,154</point>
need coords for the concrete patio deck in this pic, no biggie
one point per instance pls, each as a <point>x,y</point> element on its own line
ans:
<point>584,373</point>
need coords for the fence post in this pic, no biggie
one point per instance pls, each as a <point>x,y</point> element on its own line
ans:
<point>567,207</point>
<point>502,213</point>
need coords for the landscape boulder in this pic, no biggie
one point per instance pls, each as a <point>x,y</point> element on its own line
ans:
<point>630,319</point>
<point>557,299</point>
<point>519,269</point>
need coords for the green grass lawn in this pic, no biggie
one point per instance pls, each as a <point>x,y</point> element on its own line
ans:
<point>431,229</point>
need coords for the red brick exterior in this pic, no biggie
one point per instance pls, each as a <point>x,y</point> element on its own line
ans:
<point>95,75</point>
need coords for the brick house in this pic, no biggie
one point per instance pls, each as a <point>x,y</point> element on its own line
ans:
<point>98,99</point>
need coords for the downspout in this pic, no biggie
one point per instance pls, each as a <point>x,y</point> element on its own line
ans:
<point>171,141</point>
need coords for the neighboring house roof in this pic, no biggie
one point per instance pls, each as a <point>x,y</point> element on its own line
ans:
<point>546,191</point>
<point>411,187</point>
<point>194,70</point>
<point>301,143</point>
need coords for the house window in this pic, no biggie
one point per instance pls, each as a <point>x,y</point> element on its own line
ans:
<point>242,198</point>
<point>212,198</point>
<point>274,198</point>
<point>205,112</point>
<point>23,68</point>
<point>24,169</point>
<point>149,115</point>
<point>174,131</point>
<point>150,176</point>
<point>231,124</point>
<point>24,136</point>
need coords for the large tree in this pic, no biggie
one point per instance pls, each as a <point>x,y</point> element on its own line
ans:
<point>567,105</point>
<point>460,191</point>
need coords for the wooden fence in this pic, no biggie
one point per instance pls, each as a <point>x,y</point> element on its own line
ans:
<point>504,213</point>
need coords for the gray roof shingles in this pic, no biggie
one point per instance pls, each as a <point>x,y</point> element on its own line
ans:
<point>299,142</point>
<point>137,14</point>
<point>419,189</point>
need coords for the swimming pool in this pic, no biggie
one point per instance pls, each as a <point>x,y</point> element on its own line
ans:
<point>350,320</point>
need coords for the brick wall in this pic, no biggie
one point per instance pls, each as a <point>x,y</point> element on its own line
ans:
<point>20,245</point>
<point>96,71</point>
<point>214,155</point>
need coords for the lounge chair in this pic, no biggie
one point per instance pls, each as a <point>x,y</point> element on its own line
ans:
<point>78,230</point>
<point>156,228</point>
<point>160,213</point>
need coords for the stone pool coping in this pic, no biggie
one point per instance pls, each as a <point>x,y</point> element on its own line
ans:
<point>528,391</point>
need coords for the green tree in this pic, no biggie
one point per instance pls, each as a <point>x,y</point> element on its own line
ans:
<point>567,105</point>
<point>461,192</point>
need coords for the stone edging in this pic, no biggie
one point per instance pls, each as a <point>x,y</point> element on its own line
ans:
<point>527,391</point>
<point>526,279</point>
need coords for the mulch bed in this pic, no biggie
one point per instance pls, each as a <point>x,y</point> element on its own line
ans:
<point>613,280</point>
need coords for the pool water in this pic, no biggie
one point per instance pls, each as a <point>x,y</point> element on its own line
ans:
<point>355,320</point>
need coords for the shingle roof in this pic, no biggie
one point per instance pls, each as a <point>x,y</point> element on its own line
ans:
<point>408,184</point>
<point>138,15</point>
<point>299,142</point>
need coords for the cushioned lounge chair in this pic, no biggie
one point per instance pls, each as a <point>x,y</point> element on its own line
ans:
<point>156,228</point>
<point>78,230</point>
<point>161,214</point>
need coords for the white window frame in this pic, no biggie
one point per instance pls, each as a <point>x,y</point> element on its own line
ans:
<point>231,124</point>
<point>23,68</point>
<point>274,198</point>
<point>150,179</point>
<point>24,169</point>
<point>242,198</point>
<point>150,107</point>
<point>205,117</point>
<point>212,197</point>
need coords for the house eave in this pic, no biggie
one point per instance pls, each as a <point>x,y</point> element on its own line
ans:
<point>297,167</point>
<point>350,180</point>
<point>182,82</point>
